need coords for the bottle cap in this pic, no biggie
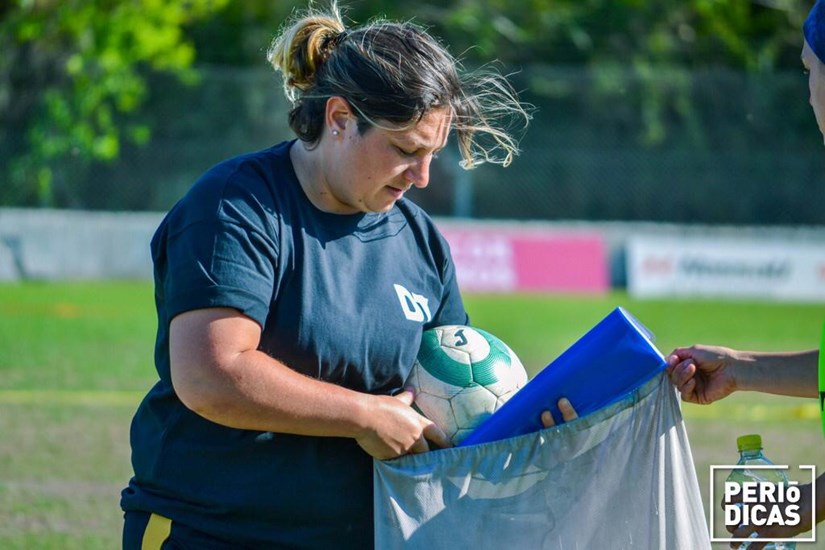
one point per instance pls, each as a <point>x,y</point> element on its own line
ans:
<point>752,442</point>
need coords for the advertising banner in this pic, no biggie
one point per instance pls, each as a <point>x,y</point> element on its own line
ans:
<point>523,259</point>
<point>734,268</point>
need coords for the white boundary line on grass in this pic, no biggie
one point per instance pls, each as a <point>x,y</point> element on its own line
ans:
<point>118,398</point>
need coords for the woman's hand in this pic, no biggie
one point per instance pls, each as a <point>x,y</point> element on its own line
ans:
<point>396,429</point>
<point>568,413</point>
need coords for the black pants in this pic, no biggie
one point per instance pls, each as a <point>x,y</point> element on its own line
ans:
<point>145,531</point>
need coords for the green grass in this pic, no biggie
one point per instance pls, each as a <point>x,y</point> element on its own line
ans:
<point>75,358</point>
<point>78,336</point>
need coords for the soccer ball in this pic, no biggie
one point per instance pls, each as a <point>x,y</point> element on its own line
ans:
<point>461,376</point>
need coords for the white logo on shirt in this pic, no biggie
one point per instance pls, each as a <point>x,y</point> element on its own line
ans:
<point>415,306</point>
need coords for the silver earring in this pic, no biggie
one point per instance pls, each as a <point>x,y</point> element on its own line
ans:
<point>335,132</point>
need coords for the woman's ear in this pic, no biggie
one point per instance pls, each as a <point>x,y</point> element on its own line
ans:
<point>338,114</point>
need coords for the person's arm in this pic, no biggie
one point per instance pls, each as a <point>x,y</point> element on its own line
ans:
<point>704,374</point>
<point>218,372</point>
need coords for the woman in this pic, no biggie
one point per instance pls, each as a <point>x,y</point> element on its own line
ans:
<point>292,287</point>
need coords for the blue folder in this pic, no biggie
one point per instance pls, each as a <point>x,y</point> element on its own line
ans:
<point>610,360</point>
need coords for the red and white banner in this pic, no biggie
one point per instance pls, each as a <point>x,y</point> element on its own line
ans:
<point>527,259</point>
<point>734,268</point>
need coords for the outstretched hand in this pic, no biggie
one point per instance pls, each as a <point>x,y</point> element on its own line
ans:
<point>702,374</point>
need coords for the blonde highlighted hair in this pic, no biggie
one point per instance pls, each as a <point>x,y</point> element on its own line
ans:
<point>393,72</point>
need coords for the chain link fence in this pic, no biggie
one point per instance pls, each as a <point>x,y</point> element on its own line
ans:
<point>705,146</point>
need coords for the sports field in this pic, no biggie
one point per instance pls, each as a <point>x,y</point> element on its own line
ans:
<point>75,358</point>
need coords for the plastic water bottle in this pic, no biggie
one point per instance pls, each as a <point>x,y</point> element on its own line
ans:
<point>750,452</point>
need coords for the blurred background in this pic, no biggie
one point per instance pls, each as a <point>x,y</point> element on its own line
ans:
<point>673,166</point>
<point>688,111</point>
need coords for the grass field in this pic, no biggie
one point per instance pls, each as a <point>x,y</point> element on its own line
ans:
<point>76,358</point>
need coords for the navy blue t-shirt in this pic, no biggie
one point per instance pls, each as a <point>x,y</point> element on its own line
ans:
<point>341,298</point>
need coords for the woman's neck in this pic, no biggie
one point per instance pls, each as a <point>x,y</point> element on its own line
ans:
<point>305,162</point>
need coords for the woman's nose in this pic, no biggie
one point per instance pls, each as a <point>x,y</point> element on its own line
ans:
<point>419,173</point>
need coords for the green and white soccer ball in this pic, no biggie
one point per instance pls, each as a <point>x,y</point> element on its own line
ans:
<point>461,376</point>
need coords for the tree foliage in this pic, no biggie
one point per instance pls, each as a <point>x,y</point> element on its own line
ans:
<point>73,74</point>
<point>657,44</point>
<point>740,33</point>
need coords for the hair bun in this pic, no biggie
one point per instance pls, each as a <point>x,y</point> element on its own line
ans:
<point>302,48</point>
<point>332,41</point>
